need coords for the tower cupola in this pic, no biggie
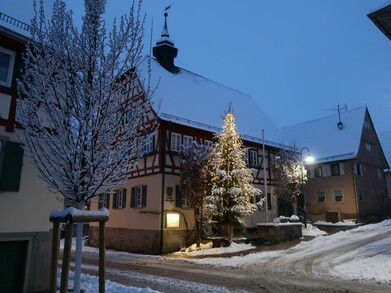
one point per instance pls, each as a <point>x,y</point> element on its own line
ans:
<point>164,50</point>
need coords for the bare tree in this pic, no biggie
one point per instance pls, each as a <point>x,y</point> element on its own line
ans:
<point>193,182</point>
<point>77,103</point>
<point>289,176</point>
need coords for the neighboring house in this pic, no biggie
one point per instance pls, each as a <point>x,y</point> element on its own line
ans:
<point>25,202</point>
<point>149,214</point>
<point>346,178</point>
<point>385,141</point>
<point>382,19</point>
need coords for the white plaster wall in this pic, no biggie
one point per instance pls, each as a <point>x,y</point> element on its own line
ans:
<point>27,210</point>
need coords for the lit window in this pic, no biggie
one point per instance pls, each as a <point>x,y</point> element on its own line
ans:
<point>337,195</point>
<point>172,220</point>
<point>320,196</point>
<point>175,142</point>
<point>187,140</point>
<point>7,60</point>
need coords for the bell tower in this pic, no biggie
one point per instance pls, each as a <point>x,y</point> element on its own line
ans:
<point>164,50</point>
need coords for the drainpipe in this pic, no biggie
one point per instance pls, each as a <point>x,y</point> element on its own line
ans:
<point>355,189</point>
<point>162,160</point>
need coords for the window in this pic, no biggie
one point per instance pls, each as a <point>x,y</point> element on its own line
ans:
<point>145,144</point>
<point>383,197</point>
<point>320,196</point>
<point>366,124</point>
<point>208,143</point>
<point>368,146</point>
<point>175,142</point>
<point>180,199</point>
<point>104,200</point>
<point>253,158</point>
<point>318,171</point>
<point>119,198</point>
<point>7,60</point>
<point>379,173</point>
<point>337,195</point>
<point>337,169</point>
<point>360,193</point>
<point>187,140</point>
<point>358,169</point>
<point>138,197</point>
<point>11,162</point>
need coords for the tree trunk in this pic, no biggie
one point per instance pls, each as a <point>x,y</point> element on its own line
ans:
<point>78,255</point>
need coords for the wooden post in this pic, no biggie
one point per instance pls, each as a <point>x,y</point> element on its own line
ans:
<point>102,264</point>
<point>66,258</point>
<point>55,253</point>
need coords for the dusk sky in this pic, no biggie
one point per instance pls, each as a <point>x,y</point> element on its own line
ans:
<point>297,59</point>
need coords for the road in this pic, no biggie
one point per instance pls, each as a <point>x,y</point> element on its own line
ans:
<point>286,272</point>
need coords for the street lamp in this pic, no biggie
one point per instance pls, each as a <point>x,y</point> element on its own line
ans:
<point>308,159</point>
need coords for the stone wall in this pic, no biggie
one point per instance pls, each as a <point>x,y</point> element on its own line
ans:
<point>131,240</point>
<point>275,233</point>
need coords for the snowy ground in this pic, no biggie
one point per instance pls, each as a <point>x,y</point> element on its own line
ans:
<point>369,258</point>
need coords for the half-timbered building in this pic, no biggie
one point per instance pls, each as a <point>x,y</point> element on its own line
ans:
<point>149,214</point>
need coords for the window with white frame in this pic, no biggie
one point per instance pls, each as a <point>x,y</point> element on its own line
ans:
<point>320,196</point>
<point>337,169</point>
<point>175,142</point>
<point>104,200</point>
<point>208,143</point>
<point>337,195</point>
<point>187,140</point>
<point>379,173</point>
<point>7,61</point>
<point>253,158</point>
<point>119,198</point>
<point>138,196</point>
<point>145,144</point>
<point>358,169</point>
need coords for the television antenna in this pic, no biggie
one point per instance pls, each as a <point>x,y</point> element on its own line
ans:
<point>340,109</point>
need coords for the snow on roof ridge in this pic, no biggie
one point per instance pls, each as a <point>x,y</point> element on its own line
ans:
<point>323,118</point>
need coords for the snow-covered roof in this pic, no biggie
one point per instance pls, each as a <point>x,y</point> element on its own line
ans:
<point>189,99</point>
<point>385,141</point>
<point>15,18</point>
<point>325,141</point>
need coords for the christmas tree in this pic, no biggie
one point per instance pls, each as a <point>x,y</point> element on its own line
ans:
<point>231,180</point>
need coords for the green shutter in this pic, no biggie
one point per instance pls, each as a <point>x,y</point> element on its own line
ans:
<point>115,200</point>
<point>99,201</point>
<point>12,167</point>
<point>132,197</point>
<point>107,200</point>
<point>124,198</point>
<point>178,196</point>
<point>144,196</point>
<point>269,201</point>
